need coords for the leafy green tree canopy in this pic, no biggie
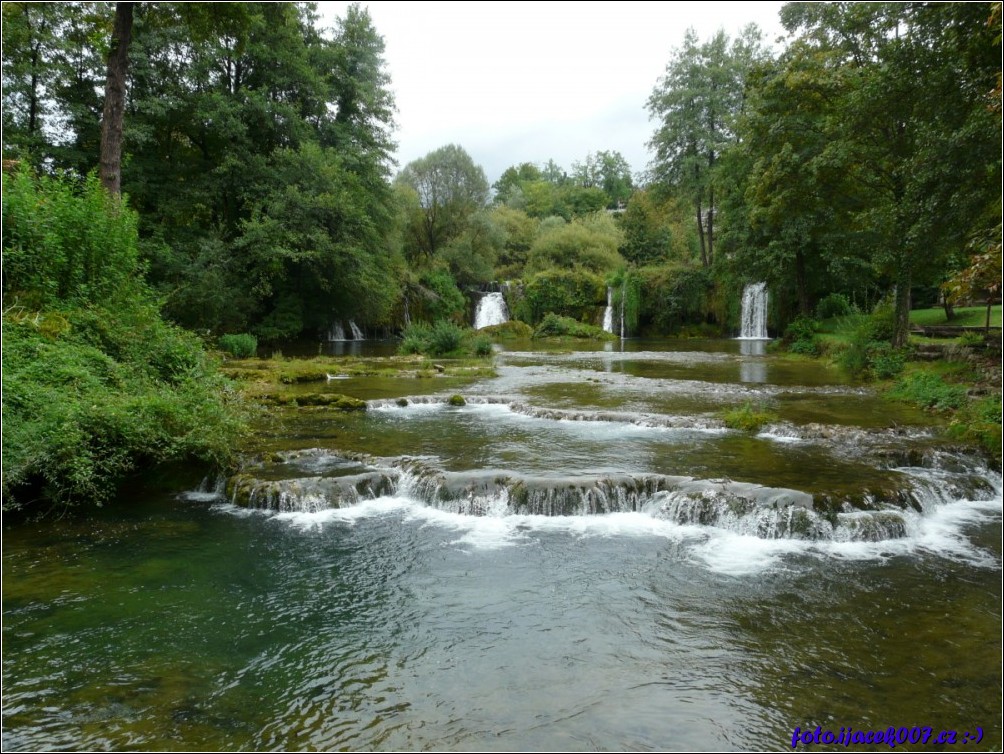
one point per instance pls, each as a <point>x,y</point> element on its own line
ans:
<point>449,188</point>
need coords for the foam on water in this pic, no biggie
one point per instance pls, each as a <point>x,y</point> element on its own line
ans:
<point>942,532</point>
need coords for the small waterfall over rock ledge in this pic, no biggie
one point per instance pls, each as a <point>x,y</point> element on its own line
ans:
<point>337,331</point>
<point>491,311</point>
<point>317,479</point>
<point>608,313</point>
<point>754,313</point>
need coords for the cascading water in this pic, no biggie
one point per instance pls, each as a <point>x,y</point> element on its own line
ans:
<point>337,331</point>
<point>608,313</point>
<point>337,481</point>
<point>754,313</point>
<point>395,559</point>
<point>491,311</point>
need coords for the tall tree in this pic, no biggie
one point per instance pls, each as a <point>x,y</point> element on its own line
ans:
<point>115,98</point>
<point>791,186</point>
<point>696,104</point>
<point>449,188</point>
<point>52,76</point>
<point>915,121</point>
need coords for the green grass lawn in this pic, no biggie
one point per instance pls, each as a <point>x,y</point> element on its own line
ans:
<point>966,316</point>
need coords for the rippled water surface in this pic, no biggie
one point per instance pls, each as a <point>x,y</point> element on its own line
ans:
<point>434,605</point>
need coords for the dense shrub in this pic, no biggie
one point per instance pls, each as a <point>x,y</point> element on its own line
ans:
<point>65,241</point>
<point>869,352</point>
<point>513,329</point>
<point>929,390</point>
<point>96,384</point>
<point>834,305</point>
<point>554,326</point>
<point>481,345</point>
<point>570,293</point>
<point>800,336</point>
<point>979,422</point>
<point>672,297</point>
<point>884,361</point>
<point>243,346</point>
<point>77,419</point>
<point>747,418</point>
<point>443,338</point>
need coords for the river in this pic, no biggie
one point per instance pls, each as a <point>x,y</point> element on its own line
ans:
<point>580,556</point>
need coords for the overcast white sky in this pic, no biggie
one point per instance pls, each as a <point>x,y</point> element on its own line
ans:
<point>516,82</point>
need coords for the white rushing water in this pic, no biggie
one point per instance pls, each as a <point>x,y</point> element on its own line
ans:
<point>754,313</point>
<point>337,331</point>
<point>608,313</point>
<point>491,311</point>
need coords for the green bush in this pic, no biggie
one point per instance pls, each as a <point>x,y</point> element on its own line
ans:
<point>571,293</point>
<point>481,345</point>
<point>442,339</point>
<point>513,329</point>
<point>243,346</point>
<point>884,361</point>
<point>65,241</point>
<point>929,390</point>
<point>747,418</point>
<point>880,325</point>
<point>869,352</point>
<point>979,422</point>
<point>445,337</point>
<point>972,339</point>
<point>415,338</point>
<point>834,305</point>
<point>801,328</point>
<point>77,420</point>
<point>555,326</point>
<point>800,336</point>
<point>96,384</point>
<point>805,347</point>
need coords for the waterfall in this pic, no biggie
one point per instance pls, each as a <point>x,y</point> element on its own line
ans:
<point>754,319</point>
<point>491,311</point>
<point>608,313</point>
<point>336,331</point>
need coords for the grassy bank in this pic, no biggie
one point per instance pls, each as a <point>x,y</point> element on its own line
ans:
<point>953,378</point>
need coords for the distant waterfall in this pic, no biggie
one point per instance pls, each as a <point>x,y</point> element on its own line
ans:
<point>337,331</point>
<point>608,313</point>
<point>754,320</point>
<point>491,311</point>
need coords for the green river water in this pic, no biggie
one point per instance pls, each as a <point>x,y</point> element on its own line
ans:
<point>580,557</point>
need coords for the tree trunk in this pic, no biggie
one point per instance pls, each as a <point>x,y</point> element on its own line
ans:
<point>949,309</point>
<point>115,96</point>
<point>902,316</point>
<point>700,234</point>
<point>711,228</point>
<point>801,284</point>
